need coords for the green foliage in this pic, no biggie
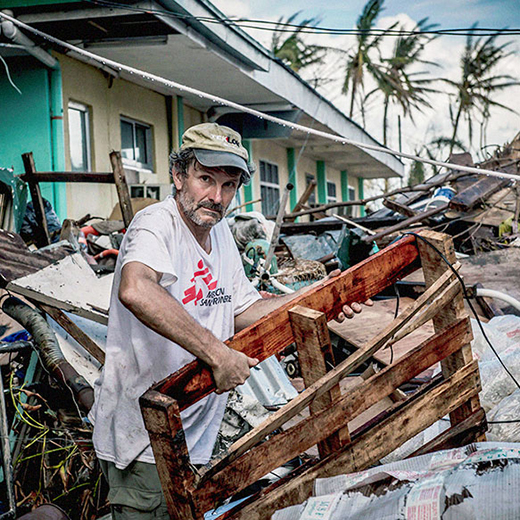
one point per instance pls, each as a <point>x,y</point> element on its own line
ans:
<point>395,81</point>
<point>288,45</point>
<point>478,84</point>
<point>360,58</point>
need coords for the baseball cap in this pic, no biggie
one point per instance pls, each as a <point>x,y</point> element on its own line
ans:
<point>216,146</point>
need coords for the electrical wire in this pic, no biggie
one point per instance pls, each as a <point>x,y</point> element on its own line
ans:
<point>153,78</point>
<point>396,313</point>
<point>466,296</point>
<point>9,75</point>
<point>286,27</point>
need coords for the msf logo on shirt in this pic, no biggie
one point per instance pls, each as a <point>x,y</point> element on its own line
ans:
<point>191,294</point>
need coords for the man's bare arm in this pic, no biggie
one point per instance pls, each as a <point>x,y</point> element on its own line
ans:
<point>262,307</point>
<point>141,294</point>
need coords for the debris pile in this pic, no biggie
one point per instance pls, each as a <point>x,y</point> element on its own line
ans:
<point>65,276</point>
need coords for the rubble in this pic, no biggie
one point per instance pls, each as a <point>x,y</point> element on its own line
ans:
<point>69,281</point>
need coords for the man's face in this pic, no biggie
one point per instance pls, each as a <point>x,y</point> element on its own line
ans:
<point>205,194</point>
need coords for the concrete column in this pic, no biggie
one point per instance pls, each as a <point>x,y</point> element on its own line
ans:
<point>293,176</point>
<point>248,188</point>
<point>344,186</point>
<point>321,179</point>
<point>361,195</point>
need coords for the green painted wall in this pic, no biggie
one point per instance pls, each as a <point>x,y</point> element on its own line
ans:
<point>293,176</point>
<point>344,186</point>
<point>32,129</point>
<point>361,195</point>
<point>248,188</point>
<point>26,124</point>
<point>321,179</point>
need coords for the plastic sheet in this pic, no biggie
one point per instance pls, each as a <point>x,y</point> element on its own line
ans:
<point>507,409</point>
<point>478,481</point>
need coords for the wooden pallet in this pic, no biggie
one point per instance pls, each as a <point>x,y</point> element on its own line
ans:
<point>190,492</point>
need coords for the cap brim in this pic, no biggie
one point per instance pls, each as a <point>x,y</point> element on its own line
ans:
<point>213,159</point>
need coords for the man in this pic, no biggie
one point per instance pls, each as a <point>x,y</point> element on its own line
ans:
<point>179,292</point>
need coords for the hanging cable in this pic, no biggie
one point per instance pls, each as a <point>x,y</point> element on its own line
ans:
<point>152,78</point>
<point>466,296</point>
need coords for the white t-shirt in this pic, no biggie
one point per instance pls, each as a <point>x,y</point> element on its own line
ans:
<point>212,287</point>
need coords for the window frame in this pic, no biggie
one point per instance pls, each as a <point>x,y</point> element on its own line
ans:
<point>269,185</point>
<point>332,198</point>
<point>149,142</point>
<point>86,138</point>
<point>309,177</point>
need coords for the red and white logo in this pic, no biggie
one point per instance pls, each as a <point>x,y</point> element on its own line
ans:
<point>200,277</point>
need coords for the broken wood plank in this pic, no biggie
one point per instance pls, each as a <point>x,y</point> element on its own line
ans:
<point>122,188</point>
<point>273,332</point>
<point>408,420</point>
<point>399,208</point>
<point>477,193</point>
<point>420,217</point>
<point>444,298</point>
<point>431,246</point>
<point>42,236</point>
<point>163,422</point>
<point>292,442</point>
<point>309,190</point>
<point>316,359</point>
<point>101,177</point>
<point>277,419</point>
<point>461,434</point>
<point>71,328</point>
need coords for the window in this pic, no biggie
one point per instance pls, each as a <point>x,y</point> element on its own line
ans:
<point>269,188</point>
<point>331,192</point>
<point>312,199</point>
<point>136,144</point>
<point>143,190</point>
<point>79,137</point>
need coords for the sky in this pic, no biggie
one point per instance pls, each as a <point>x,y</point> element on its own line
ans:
<point>444,52</point>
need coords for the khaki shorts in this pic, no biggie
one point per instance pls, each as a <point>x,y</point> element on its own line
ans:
<point>135,492</point>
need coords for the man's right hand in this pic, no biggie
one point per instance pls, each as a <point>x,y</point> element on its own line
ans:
<point>232,370</point>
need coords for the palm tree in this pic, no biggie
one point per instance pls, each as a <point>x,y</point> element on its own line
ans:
<point>395,80</point>
<point>477,83</point>
<point>360,58</point>
<point>292,49</point>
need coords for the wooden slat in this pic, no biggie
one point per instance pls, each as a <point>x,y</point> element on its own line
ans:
<point>163,422</point>
<point>444,298</point>
<point>71,328</point>
<point>477,192</point>
<point>272,333</point>
<point>420,217</point>
<point>433,267</point>
<point>458,435</point>
<point>101,178</point>
<point>407,421</point>
<point>332,378</point>
<point>42,236</point>
<point>316,359</point>
<point>292,442</point>
<point>122,188</point>
<point>399,208</point>
<point>302,200</point>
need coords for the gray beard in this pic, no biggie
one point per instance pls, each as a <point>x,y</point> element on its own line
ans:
<point>190,210</point>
